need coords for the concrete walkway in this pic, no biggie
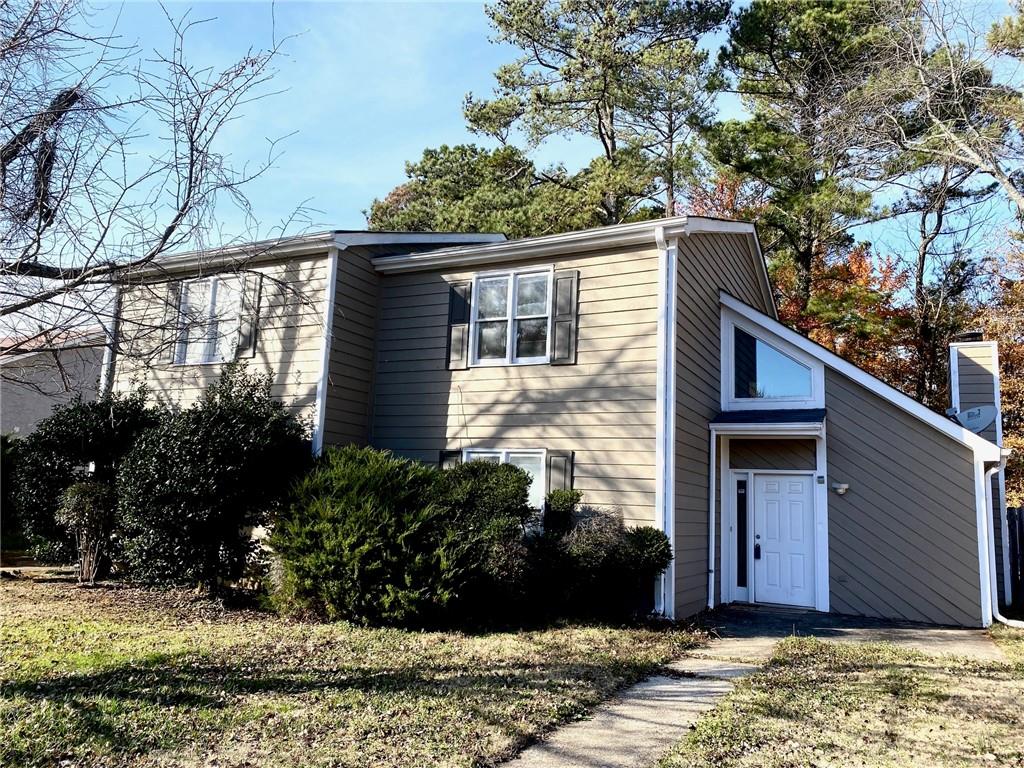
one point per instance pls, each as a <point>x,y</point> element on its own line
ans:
<point>645,721</point>
<point>750,634</point>
<point>642,724</point>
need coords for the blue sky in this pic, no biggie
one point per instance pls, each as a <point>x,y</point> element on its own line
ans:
<point>366,87</point>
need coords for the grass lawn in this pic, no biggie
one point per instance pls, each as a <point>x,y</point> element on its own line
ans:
<point>830,704</point>
<point>117,676</point>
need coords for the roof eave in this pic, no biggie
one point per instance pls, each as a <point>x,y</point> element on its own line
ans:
<point>619,235</point>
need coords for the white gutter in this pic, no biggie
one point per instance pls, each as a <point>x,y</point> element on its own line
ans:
<point>990,540</point>
<point>619,235</point>
<point>302,245</point>
<point>325,352</point>
<point>713,480</point>
<point>665,406</point>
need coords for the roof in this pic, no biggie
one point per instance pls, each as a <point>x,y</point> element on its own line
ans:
<point>380,243</point>
<point>773,416</point>
<point>982,448</point>
<point>17,348</point>
<point>653,232</point>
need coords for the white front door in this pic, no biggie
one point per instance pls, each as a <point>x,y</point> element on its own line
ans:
<point>784,539</point>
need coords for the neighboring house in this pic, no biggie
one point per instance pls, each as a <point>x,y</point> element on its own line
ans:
<point>642,364</point>
<point>36,376</point>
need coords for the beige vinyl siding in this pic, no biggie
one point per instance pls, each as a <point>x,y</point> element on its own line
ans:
<point>708,263</point>
<point>288,342</point>
<point>602,408</point>
<point>350,373</point>
<point>772,454</point>
<point>976,369</point>
<point>902,541</point>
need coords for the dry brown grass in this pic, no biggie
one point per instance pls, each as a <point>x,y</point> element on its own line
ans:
<point>118,676</point>
<point>827,704</point>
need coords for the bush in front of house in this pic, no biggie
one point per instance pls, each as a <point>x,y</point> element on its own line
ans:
<point>79,441</point>
<point>192,488</point>
<point>86,511</point>
<point>376,539</point>
<point>486,508</point>
<point>11,535</point>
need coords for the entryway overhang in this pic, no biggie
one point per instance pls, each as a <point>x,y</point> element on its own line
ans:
<point>778,424</point>
<point>783,422</point>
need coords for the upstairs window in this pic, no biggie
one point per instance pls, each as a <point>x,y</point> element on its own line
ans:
<point>532,461</point>
<point>762,372</point>
<point>511,318</point>
<point>209,313</point>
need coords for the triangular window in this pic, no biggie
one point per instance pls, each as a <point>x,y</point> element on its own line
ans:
<point>761,372</point>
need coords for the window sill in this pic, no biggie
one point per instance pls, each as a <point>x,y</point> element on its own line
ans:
<point>507,363</point>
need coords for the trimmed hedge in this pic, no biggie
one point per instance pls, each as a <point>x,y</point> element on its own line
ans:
<point>194,486</point>
<point>376,539</point>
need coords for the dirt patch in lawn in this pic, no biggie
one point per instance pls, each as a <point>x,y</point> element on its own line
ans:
<point>825,704</point>
<point>119,676</point>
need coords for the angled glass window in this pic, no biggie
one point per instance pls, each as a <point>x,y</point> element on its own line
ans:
<point>763,372</point>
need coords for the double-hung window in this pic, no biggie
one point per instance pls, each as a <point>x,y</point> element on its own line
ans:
<point>530,460</point>
<point>209,312</point>
<point>511,318</point>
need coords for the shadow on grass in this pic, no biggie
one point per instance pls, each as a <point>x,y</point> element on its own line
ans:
<point>133,709</point>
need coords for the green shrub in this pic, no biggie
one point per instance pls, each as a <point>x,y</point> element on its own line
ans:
<point>87,511</point>
<point>487,507</point>
<point>61,451</point>
<point>560,511</point>
<point>609,570</point>
<point>193,487</point>
<point>380,540</point>
<point>11,534</point>
<point>361,541</point>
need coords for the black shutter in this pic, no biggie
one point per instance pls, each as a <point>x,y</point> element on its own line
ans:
<point>449,459</point>
<point>172,322</point>
<point>248,322</point>
<point>563,321</point>
<point>459,299</point>
<point>559,470</point>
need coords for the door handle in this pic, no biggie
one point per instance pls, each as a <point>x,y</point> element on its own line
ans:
<point>757,551</point>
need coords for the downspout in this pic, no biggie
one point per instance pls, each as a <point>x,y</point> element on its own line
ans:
<point>665,409</point>
<point>325,351</point>
<point>106,382</point>
<point>991,541</point>
<point>712,480</point>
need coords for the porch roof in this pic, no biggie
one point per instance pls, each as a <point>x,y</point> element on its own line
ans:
<point>771,416</point>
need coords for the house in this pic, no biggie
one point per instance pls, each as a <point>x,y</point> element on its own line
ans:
<point>642,364</point>
<point>37,375</point>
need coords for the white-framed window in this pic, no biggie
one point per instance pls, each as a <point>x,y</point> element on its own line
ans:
<point>510,322</point>
<point>209,314</point>
<point>760,370</point>
<point>531,460</point>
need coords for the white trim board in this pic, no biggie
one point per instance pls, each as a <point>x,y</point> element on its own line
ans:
<point>983,449</point>
<point>325,352</point>
<point>665,405</point>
